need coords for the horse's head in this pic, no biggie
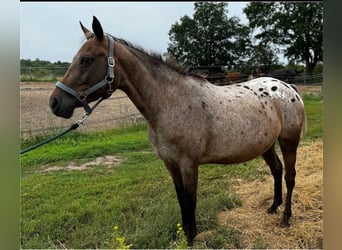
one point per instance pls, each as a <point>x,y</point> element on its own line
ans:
<point>90,75</point>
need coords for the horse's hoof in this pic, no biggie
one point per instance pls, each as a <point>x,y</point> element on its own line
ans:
<point>284,224</point>
<point>272,210</point>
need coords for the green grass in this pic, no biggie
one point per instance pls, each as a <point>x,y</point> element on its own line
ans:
<point>78,209</point>
<point>314,111</point>
<point>77,145</point>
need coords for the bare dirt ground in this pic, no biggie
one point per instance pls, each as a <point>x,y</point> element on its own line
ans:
<point>36,117</point>
<point>108,161</point>
<point>313,89</point>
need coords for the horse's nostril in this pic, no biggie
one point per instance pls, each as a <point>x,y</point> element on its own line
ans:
<point>53,103</point>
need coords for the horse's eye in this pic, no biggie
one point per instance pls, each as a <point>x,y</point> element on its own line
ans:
<point>86,61</point>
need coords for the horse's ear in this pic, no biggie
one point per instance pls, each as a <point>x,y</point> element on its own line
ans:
<point>84,29</point>
<point>97,29</point>
<point>88,34</point>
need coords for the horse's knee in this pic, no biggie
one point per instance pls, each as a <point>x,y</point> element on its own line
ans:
<point>277,172</point>
<point>290,179</point>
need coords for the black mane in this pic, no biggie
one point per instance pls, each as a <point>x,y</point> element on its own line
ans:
<point>156,57</point>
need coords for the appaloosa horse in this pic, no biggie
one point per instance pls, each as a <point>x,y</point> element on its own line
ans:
<point>190,121</point>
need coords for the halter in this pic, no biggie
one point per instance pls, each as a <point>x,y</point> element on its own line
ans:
<point>82,95</point>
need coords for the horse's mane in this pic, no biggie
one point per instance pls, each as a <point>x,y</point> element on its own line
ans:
<point>157,57</point>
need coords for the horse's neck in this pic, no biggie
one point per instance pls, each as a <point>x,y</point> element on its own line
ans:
<point>148,90</point>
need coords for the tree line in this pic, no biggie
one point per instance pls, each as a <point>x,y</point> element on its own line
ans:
<point>211,37</point>
<point>41,70</point>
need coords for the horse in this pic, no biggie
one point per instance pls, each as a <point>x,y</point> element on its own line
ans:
<point>190,121</point>
<point>214,74</point>
<point>288,75</point>
<point>233,77</point>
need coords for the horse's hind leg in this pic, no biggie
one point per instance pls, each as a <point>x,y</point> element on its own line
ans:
<point>289,150</point>
<point>272,160</point>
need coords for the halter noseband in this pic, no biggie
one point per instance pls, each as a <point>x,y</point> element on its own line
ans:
<point>82,96</point>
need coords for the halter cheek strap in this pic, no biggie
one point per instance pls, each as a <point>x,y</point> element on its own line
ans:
<point>109,78</point>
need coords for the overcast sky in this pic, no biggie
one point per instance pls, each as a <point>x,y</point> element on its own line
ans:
<point>51,30</point>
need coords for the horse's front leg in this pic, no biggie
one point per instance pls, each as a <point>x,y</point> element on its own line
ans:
<point>185,178</point>
<point>190,179</point>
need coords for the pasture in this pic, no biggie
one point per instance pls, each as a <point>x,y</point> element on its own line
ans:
<point>76,189</point>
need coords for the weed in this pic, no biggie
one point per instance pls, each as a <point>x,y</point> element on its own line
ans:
<point>181,241</point>
<point>118,241</point>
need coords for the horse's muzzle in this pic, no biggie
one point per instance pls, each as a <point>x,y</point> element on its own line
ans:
<point>61,108</point>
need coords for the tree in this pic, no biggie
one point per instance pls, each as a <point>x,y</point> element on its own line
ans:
<point>41,70</point>
<point>209,38</point>
<point>295,25</point>
<point>262,54</point>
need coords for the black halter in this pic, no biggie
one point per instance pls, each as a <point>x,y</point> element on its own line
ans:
<point>109,78</point>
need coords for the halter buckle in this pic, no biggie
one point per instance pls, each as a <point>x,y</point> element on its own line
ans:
<point>111,62</point>
<point>81,97</point>
<point>109,83</point>
<point>109,80</point>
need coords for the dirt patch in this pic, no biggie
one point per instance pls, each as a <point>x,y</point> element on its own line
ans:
<point>36,117</point>
<point>260,230</point>
<point>108,161</point>
<point>312,89</point>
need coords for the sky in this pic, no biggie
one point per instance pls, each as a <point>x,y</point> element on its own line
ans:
<point>51,31</point>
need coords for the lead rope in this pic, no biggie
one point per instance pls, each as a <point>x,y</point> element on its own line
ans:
<point>73,126</point>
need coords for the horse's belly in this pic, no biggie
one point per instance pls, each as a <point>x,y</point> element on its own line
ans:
<point>240,152</point>
<point>240,143</point>
<point>237,153</point>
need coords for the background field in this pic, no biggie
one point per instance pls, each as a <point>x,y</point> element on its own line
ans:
<point>74,190</point>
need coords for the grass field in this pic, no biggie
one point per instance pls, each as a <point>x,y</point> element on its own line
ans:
<point>72,194</point>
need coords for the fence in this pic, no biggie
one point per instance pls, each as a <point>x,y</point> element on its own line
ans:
<point>54,73</point>
<point>300,79</point>
<point>37,119</point>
